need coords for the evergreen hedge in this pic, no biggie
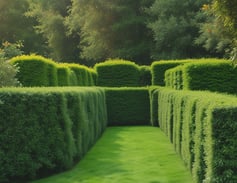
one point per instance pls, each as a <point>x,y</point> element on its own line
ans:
<point>145,75</point>
<point>47,130</point>
<point>158,69</point>
<point>35,70</point>
<point>212,75</point>
<point>118,73</point>
<point>85,77</point>
<point>128,106</point>
<point>63,75</point>
<point>203,128</point>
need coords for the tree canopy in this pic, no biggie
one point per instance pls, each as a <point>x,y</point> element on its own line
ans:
<point>90,31</point>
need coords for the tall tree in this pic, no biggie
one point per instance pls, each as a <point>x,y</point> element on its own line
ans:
<point>111,29</point>
<point>15,26</point>
<point>219,32</point>
<point>51,15</point>
<point>175,25</point>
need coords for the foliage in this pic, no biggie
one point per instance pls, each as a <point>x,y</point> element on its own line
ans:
<point>49,73</point>
<point>202,127</point>
<point>175,25</point>
<point>111,29</point>
<point>218,33</point>
<point>145,75</point>
<point>15,26</point>
<point>47,130</point>
<point>158,69</point>
<point>116,73</point>
<point>45,71</point>
<point>50,16</point>
<point>216,75</point>
<point>127,106</point>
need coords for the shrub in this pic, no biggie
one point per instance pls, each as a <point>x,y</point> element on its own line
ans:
<point>8,74</point>
<point>215,75</point>
<point>128,106</point>
<point>46,130</point>
<point>203,129</point>
<point>117,73</point>
<point>158,69</point>
<point>35,70</point>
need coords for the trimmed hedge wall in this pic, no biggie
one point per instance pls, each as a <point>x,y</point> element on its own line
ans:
<point>85,77</point>
<point>158,69</point>
<point>203,128</point>
<point>118,73</point>
<point>213,75</point>
<point>39,71</point>
<point>128,106</point>
<point>47,130</point>
<point>36,71</point>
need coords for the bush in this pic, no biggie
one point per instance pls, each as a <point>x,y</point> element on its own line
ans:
<point>128,106</point>
<point>213,75</point>
<point>35,70</point>
<point>118,73</point>
<point>158,69</point>
<point>46,130</point>
<point>203,128</point>
<point>8,74</point>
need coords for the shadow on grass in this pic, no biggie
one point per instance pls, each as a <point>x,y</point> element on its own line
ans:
<point>127,155</point>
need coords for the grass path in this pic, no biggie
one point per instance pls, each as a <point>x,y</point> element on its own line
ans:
<point>128,155</point>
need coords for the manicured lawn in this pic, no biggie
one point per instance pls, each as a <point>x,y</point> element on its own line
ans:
<point>128,155</point>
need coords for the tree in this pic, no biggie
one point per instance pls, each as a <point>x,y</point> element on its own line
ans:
<point>175,25</point>
<point>15,26</point>
<point>7,71</point>
<point>219,32</point>
<point>50,16</point>
<point>111,29</point>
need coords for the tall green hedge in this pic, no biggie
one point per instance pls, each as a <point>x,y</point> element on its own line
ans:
<point>203,128</point>
<point>118,73</point>
<point>46,130</point>
<point>63,75</point>
<point>145,75</point>
<point>85,77</point>
<point>128,106</point>
<point>213,75</point>
<point>35,70</point>
<point>158,69</point>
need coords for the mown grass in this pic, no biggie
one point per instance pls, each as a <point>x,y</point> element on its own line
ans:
<point>128,155</point>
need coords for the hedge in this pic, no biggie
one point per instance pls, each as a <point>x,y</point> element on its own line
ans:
<point>203,128</point>
<point>84,75</point>
<point>158,69</point>
<point>215,75</point>
<point>63,75</point>
<point>145,75</point>
<point>35,70</point>
<point>47,130</point>
<point>128,106</point>
<point>118,73</point>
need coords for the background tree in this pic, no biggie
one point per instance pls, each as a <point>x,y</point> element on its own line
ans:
<point>15,26</point>
<point>219,32</point>
<point>111,29</point>
<point>51,15</point>
<point>175,25</point>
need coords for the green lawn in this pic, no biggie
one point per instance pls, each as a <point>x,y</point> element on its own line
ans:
<point>128,155</point>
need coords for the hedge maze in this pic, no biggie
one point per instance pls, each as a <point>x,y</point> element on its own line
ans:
<point>48,129</point>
